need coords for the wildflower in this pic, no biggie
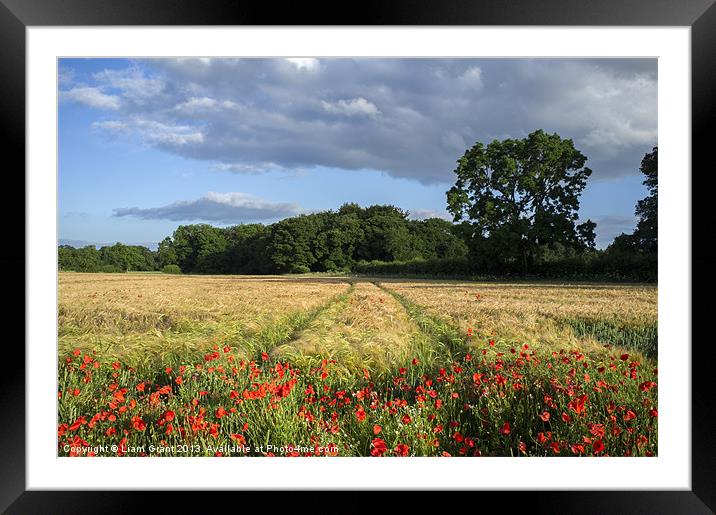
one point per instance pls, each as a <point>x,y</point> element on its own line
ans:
<point>377,429</point>
<point>138,423</point>
<point>401,449</point>
<point>505,430</point>
<point>378,447</point>
<point>598,446</point>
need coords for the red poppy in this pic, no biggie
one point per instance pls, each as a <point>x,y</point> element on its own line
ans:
<point>138,424</point>
<point>647,385</point>
<point>406,419</point>
<point>239,439</point>
<point>378,447</point>
<point>505,430</point>
<point>624,357</point>
<point>598,446</point>
<point>264,356</point>
<point>544,416</point>
<point>401,449</point>
<point>596,430</point>
<point>360,414</point>
<point>377,429</point>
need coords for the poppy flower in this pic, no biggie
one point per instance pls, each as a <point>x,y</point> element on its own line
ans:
<point>377,429</point>
<point>598,446</point>
<point>138,423</point>
<point>401,449</point>
<point>544,416</point>
<point>264,356</point>
<point>406,419</point>
<point>505,430</point>
<point>378,447</point>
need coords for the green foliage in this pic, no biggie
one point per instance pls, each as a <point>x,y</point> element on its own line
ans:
<point>594,266</point>
<point>518,195</point>
<point>171,269</point>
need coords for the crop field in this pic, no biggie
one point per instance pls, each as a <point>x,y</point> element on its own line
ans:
<point>160,365</point>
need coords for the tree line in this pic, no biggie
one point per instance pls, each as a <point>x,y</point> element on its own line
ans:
<point>515,209</point>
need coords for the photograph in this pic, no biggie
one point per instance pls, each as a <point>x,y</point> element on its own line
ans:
<point>321,256</point>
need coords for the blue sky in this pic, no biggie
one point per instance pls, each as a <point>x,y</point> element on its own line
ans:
<point>147,145</point>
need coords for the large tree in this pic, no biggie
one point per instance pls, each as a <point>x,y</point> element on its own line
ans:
<point>522,194</point>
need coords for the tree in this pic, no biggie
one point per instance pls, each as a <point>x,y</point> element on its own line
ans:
<point>647,230</point>
<point>166,255</point>
<point>200,248</point>
<point>520,194</point>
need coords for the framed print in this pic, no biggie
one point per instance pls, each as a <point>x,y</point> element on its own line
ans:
<point>263,251</point>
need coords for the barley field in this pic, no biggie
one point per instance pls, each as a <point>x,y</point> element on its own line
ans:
<point>161,365</point>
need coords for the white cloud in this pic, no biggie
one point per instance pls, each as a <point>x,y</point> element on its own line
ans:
<point>248,168</point>
<point>424,214</point>
<point>197,105</point>
<point>91,97</point>
<point>234,207</point>
<point>410,118</point>
<point>354,107</point>
<point>304,63</point>
<point>132,84</point>
<point>154,132</point>
<point>472,77</point>
<point>114,126</point>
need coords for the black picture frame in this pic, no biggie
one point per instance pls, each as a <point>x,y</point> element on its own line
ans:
<point>16,15</point>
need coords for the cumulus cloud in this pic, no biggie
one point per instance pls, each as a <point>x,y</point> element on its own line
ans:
<point>304,63</point>
<point>353,107</point>
<point>158,133</point>
<point>225,208</point>
<point>424,214</point>
<point>409,118</point>
<point>90,96</point>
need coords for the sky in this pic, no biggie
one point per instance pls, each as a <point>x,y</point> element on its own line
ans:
<point>146,145</point>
